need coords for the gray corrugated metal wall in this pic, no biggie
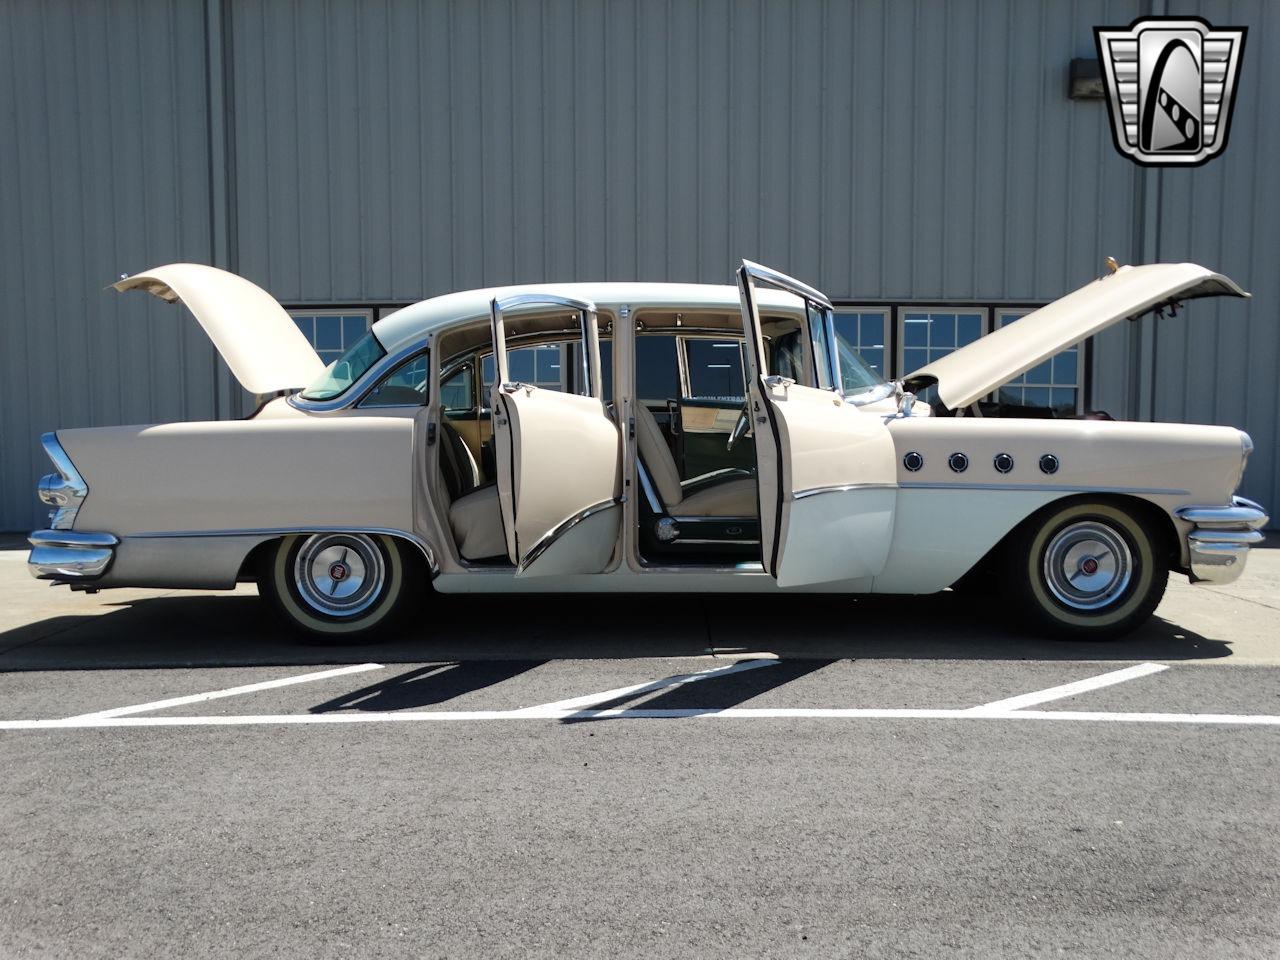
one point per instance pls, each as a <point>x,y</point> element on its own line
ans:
<point>383,151</point>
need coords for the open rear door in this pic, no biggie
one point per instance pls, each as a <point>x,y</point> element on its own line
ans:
<point>828,478</point>
<point>558,455</point>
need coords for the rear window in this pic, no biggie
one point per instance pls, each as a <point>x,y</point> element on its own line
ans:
<point>346,370</point>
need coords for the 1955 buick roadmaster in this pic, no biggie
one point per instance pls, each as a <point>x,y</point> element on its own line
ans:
<point>645,437</point>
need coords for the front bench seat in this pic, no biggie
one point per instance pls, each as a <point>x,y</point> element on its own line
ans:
<point>475,516</point>
<point>728,498</point>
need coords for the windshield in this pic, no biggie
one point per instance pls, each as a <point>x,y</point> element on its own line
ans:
<point>346,370</point>
<point>862,384</point>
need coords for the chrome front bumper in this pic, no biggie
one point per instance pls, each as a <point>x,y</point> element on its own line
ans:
<point>69,556</point>
<point>1220,539</point>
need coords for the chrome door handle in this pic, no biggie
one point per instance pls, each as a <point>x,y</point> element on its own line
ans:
<point>773,381</point>
<point>516,387</point>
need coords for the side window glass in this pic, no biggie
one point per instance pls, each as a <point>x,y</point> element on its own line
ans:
<point>456,394</point>
<point>817,323</point>
<point>657,369</point>
<point>606,366</point>
<point>715,369</point>
<point>405,386</point>
<point>786,356</point>
<point>543,366</point>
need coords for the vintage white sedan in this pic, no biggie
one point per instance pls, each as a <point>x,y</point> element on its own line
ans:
<point>553,438</point>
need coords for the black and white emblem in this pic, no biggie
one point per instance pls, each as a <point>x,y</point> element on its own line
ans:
<point>1171,83</point>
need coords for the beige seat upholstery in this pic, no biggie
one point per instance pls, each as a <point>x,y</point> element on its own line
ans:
<point>476,520</point>
<point>731,498</point>
<point>474,513</point>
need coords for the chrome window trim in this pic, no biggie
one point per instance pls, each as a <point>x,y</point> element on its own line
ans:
<point>355,393</point>
<point>427,551</point>
<point>588,327</point>
<point>560,529</point>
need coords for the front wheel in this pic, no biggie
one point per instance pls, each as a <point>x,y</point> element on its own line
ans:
<point>336,587</point>
<point>1086,571</point>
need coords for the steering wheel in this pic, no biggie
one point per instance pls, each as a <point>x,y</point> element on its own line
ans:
<point>742,425</point>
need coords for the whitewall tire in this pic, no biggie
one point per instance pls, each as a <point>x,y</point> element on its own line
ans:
<point>1086,570</point>
<point>336,587</point>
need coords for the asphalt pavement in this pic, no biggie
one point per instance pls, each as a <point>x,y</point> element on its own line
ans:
<point>652,777</point>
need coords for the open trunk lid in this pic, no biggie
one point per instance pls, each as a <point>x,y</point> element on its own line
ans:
<point>972,372</point>
<point>259,341</point>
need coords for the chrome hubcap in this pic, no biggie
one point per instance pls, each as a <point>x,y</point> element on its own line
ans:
<point>1087,565</point>
<point>339,574</point>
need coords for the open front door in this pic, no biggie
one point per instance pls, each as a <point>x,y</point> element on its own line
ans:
<point>558,455</point>
<point>828,478</point>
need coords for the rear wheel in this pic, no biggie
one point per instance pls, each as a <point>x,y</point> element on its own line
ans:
<point>336,587</point>
<point>1086,571</point>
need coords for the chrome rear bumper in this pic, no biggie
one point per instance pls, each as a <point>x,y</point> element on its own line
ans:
<point>69,556</point>
<point>1220,539</point>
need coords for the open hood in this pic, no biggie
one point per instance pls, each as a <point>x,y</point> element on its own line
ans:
<point>970,373</point>
<point>259,341</point>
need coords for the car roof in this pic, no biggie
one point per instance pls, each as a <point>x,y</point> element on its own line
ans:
<point>425,318</point>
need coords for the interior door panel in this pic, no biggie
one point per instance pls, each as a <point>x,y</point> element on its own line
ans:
<point>558,460</point>
<point>827,471</point>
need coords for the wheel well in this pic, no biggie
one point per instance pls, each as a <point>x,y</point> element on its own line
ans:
<point>254,559</point>
<point>1163,532</point>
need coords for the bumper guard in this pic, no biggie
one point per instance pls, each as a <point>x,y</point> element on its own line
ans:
<point>69,556</point>
<point>1220,539</point>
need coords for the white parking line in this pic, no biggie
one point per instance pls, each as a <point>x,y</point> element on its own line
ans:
<point>1069,689</point>
<point>730,713</point>
<point>590,699</point>
<point>580,708</point>
<point>219,694</point>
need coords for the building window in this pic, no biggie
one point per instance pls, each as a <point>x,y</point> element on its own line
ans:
<point>1053,385</point>
<point>543,366</point>
<point>331,332</point>
<point>864,329</point>
<point>926,334</point>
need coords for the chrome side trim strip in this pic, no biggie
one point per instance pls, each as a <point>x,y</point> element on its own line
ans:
<point>561,529</point>
<point>65,490</point>
<point>1036,487</point>
<point>841,488</point>
<point>70,556</point>
<point>427,551</point>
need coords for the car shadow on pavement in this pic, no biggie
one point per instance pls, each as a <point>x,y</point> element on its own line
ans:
<point>426,686</point>
<point>237,630</point>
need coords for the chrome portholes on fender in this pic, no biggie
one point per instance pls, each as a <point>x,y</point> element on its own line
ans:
<point>339,574</point>
<point>1087,564</point>
<point>1003,462</point>
<point>1049,464</point>
<point>1086,569</point>
<point>958,462</point>
<point>913,461</point>
<point>340,586</point>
